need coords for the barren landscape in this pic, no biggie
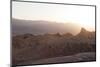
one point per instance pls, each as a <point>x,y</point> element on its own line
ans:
<point>49,33</point>
<point>46,48</point>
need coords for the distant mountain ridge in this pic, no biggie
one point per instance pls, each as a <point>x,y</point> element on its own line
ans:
<point>41,27</point>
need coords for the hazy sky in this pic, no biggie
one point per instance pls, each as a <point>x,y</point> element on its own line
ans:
<point>83,15</point>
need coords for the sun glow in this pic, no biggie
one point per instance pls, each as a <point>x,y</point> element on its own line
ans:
<point>83,15</point>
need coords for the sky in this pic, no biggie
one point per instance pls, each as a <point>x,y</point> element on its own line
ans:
<point>83,15</point>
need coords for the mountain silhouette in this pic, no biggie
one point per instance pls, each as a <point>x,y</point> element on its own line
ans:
<point>38,27</point>
<point>86,34</point>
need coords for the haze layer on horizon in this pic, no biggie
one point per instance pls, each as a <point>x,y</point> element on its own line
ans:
<point>81,15</point>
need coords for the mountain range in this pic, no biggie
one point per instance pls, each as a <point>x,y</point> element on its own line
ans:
<point>37,27</point>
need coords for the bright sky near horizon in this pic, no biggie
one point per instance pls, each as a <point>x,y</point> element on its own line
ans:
<point>83,15</point>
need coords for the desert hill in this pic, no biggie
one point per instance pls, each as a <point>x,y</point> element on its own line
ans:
<point>30,47</point>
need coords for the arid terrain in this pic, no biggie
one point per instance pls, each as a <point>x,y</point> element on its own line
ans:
<point>48,33</point>
<point>53,48</point>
